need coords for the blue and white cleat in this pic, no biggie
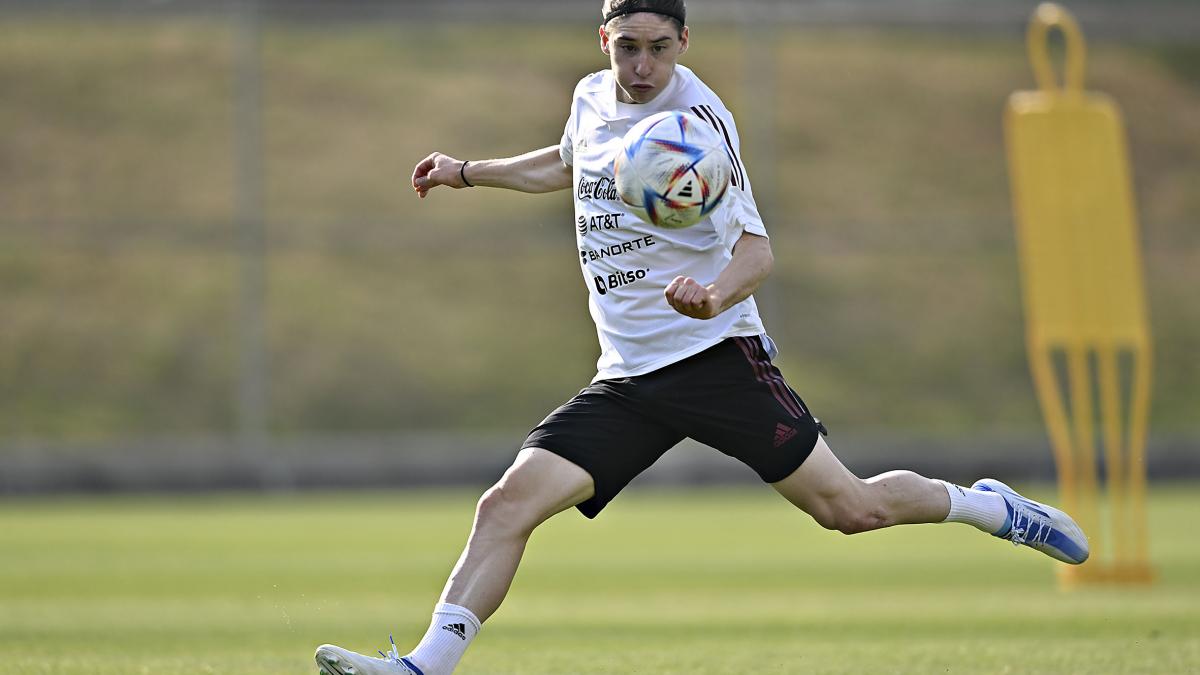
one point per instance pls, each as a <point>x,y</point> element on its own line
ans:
<point>333,660</point>
<point>1040,527</point>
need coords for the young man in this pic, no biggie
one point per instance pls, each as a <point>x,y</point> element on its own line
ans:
<point>683,354</point>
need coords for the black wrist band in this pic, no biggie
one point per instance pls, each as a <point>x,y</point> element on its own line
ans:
<point>462,173</point>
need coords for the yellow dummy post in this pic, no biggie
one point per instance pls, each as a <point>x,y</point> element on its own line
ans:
<point>1087,333</point>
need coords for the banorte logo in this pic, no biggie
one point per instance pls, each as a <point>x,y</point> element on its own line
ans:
<point>613,250</point>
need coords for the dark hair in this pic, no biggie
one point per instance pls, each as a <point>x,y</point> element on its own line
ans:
<point>675,10</point>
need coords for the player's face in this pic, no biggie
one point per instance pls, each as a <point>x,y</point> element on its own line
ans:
<point>643,48</point>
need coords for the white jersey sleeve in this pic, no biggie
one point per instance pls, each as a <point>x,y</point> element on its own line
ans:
<point>739,212</point>
<point>566,147</point>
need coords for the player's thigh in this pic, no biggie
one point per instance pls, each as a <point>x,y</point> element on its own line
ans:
<point>540,484</point>
<point>821,484</point>
<point>606,431</point>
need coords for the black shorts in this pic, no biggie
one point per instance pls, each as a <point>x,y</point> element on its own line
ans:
<point>730,397</point>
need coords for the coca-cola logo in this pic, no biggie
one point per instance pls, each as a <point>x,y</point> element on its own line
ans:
<point>601,188</point>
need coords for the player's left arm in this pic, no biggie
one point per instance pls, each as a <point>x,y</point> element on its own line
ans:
<point>751,263</point>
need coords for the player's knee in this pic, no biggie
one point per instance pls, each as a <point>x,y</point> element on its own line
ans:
<point>860,522</point>
<point>846,523</point>
<point>850,518</point>
<point>502,512</point>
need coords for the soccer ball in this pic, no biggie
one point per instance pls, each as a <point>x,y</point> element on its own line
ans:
<point>674,168</point>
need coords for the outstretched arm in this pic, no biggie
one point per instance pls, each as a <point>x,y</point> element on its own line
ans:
<point>750,265</point>
<point>538,171</point>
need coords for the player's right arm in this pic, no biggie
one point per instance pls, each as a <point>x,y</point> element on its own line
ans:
<point>538,171</point>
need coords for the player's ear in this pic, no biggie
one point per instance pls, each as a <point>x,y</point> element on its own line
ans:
<point>683,40</point>
<point>603,40</point>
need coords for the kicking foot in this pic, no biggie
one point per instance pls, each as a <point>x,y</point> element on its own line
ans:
<point>1040,527</point>
<point>334,660</point>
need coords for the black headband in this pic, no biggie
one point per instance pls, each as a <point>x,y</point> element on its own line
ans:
<point>641,7</point>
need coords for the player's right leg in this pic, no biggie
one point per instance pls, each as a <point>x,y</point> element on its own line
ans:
<point>538,485</point>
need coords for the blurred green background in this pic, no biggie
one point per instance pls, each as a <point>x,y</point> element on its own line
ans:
<point>171,172</point>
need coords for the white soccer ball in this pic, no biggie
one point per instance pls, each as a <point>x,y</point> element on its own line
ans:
<point>673,168</point>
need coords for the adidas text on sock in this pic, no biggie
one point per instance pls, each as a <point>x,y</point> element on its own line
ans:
<point>450,633</point>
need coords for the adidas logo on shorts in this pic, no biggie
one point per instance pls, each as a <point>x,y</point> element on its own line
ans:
<point>458,629</point>
<point>783,434</point>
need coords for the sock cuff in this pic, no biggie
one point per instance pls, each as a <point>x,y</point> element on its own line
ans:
<point>984,510</point>
<point>956,494</point>
<point>458,610</point>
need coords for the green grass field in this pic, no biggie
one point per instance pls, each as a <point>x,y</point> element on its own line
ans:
<point>703,581</point>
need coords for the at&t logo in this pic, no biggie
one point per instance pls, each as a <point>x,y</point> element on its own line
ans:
<point>604,221</point>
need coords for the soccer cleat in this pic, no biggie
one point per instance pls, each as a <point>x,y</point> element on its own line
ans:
<point>334,660</point>
<point>1040,527</point>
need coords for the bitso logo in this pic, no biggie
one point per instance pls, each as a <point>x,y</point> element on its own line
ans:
<point>617,279</point>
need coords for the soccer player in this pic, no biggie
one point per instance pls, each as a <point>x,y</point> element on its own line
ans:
<point>683,354</point>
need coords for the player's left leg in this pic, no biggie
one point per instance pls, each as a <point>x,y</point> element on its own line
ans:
<point>837,499</point>
<point>733,398</point>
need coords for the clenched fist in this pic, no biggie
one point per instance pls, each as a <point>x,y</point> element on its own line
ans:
<point>689,298</point>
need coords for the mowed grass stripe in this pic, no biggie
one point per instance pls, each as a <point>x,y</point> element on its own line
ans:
<point>702,581</point>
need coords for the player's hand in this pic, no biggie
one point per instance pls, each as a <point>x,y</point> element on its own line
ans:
<point>437,169</point>
<point>689,298</point>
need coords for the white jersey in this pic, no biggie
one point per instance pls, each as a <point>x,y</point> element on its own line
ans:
<point>627,263</point>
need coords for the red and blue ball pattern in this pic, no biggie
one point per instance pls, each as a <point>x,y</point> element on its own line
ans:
<point>674,168</point>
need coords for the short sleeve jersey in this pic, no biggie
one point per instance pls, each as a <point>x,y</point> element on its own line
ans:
<point>627,262</point>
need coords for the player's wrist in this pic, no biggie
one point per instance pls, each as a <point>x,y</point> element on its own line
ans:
<point>716,298</point>
<point>462,173</point>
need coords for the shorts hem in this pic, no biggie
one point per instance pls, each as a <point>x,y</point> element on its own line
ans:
<point>769,479</point>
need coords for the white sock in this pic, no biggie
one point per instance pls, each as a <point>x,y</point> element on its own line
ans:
<point>449,635</point>
<point>985,510</point>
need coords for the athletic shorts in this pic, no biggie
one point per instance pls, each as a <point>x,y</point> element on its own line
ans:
<point>730,397</point>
